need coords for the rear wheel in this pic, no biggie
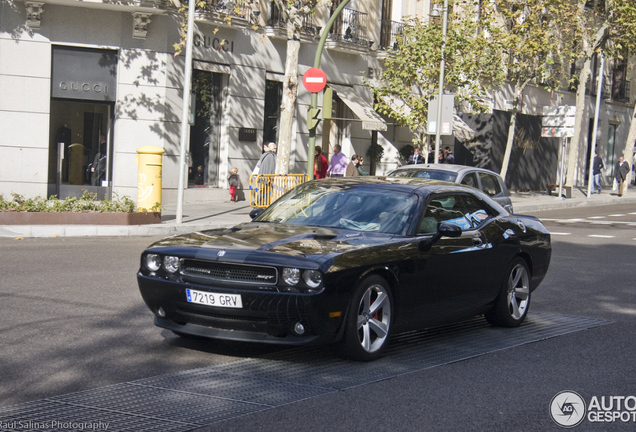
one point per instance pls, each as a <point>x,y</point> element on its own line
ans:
<point>511,307</point>
<point>368,322</point>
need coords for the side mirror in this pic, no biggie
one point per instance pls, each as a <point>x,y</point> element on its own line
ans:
<point>256,213</point>
<point>445,229</point>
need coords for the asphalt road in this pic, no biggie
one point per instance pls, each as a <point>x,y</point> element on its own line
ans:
<point>72,319</point>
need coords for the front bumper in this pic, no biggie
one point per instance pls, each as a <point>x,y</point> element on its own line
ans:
<point>266,316</point>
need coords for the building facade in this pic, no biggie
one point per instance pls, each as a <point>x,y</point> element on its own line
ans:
<point>83,85</point>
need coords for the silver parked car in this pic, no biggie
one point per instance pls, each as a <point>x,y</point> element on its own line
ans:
<point>487,181</point>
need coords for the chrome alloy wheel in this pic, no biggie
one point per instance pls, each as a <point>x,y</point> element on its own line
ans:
<point>374,318</point>
<point>518,291</point>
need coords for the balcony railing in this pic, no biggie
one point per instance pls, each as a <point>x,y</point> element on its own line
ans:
<point>308,25</point>
<point>225,7</point>
<point>351,27</point>
<point>391,32</point>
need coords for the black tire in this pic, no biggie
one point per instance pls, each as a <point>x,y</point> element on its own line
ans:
<point>511,307</point>
<point>368,322</point>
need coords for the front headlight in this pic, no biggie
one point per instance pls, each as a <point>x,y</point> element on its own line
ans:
<point>313,278</point>
<point>171,264</point>
<point>153,262</point>
<point>291,276</point>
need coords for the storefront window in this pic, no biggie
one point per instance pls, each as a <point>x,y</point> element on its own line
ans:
<point>80,154</point>
<point>82,104</point>
<point>206,132</point>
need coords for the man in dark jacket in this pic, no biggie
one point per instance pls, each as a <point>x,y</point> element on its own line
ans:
<point>416,157</point>
<point>596,170</point>
<point>449,157</point>
<point>620,174</point>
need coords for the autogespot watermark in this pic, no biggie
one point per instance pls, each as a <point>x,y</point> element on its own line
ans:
<point>568,409</point>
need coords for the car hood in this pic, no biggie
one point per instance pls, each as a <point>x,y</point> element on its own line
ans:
<point>291,240</point>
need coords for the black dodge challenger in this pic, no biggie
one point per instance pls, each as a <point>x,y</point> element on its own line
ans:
<point>349,261</point>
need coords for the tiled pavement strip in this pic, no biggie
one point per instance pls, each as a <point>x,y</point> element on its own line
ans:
<point>188,400</point>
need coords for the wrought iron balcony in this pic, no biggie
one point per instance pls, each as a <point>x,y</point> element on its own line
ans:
<point>391,32</point>
<point>351,27</point>
<point>225,7</point>
<point>308,26</point>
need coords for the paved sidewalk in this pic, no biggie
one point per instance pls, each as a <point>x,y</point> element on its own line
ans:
<point>201,216</point>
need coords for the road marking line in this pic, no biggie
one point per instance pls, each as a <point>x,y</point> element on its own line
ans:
<point>601,236</point>
<point>617,215</point>
<point>559,233</point>
<point>597,217</point>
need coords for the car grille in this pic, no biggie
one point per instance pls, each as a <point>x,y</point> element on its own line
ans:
<point>224,272</point>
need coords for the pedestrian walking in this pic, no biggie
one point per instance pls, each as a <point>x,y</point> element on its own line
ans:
<point>449,157</point>
<point>620,174</point>
<point>320,164</point>
<point>361,169</point>
<point>352,168</point>
<point>596,170</point>
<point>338,163</point>
<point>416,157</point>
<point>235,183</point>
<point>269,150</point>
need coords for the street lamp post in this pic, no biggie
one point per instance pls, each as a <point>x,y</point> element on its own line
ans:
<point>435,13</point>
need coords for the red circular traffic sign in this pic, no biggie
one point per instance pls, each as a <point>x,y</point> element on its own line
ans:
<point>314,80</point>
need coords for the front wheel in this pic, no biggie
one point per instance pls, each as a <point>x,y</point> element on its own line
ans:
<point>368,322</point>
<point>511,307</point>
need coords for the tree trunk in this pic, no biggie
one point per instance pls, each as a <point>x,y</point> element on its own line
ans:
<point>288,103</point>
<point>571,178</point>
<point>581,119</point>
<point>519,88</point>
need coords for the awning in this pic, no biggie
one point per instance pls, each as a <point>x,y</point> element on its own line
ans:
<point>371,120</point>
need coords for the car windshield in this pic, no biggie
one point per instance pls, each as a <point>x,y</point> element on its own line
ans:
<point>426,174</point>
<point>355,208</point>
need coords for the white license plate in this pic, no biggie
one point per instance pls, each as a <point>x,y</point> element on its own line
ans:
<point>214,299</point>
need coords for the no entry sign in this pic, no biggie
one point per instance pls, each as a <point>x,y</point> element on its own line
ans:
<point>314,80</point>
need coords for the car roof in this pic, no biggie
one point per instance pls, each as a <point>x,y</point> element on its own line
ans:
<point>418,186</point>
<point>406,184</point>
<point>443,167</point>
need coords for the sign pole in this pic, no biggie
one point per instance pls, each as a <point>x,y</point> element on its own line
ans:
<point>314,96</point>
<point>187,80</point>
<point>438,126</point>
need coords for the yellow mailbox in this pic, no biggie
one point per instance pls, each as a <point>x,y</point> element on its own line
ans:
<point>149,180</point>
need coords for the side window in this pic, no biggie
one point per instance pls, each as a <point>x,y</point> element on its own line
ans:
<point>490,184</point>
<point>443,208</point>
<point>475,211</point>
<point>470,180</point>
<point>463,210</point>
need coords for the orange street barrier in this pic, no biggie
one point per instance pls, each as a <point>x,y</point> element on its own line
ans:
<point>267,188</point>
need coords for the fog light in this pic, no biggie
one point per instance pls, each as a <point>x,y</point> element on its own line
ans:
<point>299,328</point>
<point>161,312</point>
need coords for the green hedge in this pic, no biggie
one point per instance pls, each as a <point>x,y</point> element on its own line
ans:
<point>86,203</point>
